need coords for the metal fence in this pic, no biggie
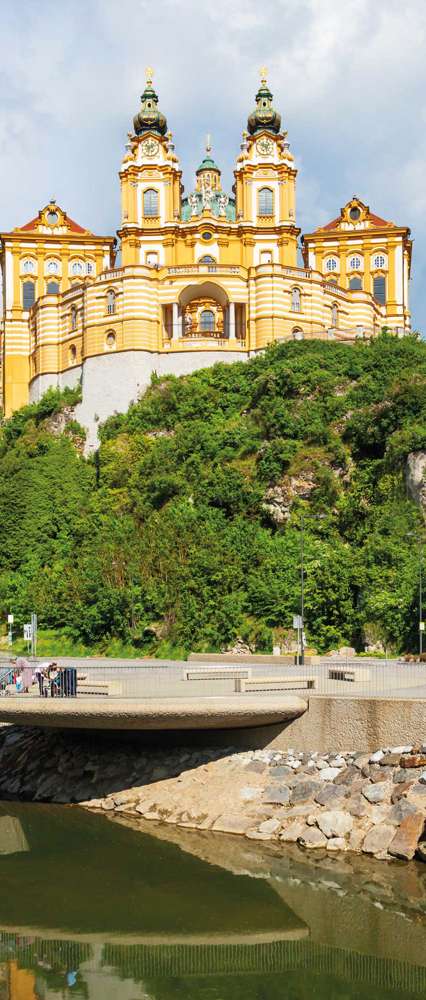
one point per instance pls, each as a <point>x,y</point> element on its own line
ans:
<point>359,677</point>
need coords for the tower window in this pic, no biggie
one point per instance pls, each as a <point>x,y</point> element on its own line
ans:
<point>73,354</point>
<point>266,256</point>
<point>354,213</point>
<point>52,288</point>
<point>355,263</point>
<point>379,261</point>
<point>379,290</point>
<point>89,268</point>
<point>150,203</point>
<point>73,318</point>
<point>28,267</point>
<point>297,333</point>
<point>331,264</point>
<point>151,259</point>
<point>295,299</point>
<point>111,302</point>
<point>207,320</point>
<point>77,267</point>
<point>28,294</point>
<point>110,340</point>
<point>207,259</point>
<point>52,267</point>
<point>355,283</point>
<point>266,201</point>
<point>334,315</point>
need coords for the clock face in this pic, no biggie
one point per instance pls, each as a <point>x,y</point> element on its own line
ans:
<point>150,147</point>
<point>264,146</point>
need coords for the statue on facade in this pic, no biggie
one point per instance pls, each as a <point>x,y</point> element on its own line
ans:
<point>223,200</point>
<point>193,203</point>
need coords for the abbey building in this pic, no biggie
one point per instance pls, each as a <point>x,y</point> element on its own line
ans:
<point>202,277</point>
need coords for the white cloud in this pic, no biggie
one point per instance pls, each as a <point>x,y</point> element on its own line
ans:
<point>349,78</point>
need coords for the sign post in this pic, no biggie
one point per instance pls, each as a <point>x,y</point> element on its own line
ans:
<point>33,635</point>
<point>28,634</point>
<point>10,629</point>
<point>298,625</point>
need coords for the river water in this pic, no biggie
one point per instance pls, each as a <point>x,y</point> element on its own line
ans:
<point>106,910</point>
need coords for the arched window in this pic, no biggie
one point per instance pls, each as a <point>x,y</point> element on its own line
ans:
<point>72,354</point>
<point>355,263</point>
<point>110,340</point>
<point>52,267</point>
<point>334,315</point>
<point>73,318</point>
<point>52,288</point>
<point>355,283</point>
<point>297,333</point>
<point>379,290</point>
<point>331,264</point>
<point>207,320</point>
<point>266,256</point>
<point>150,203</point>
<point>111,302</point>
<point>28,294</point>
<point>28,267</point>
<point>266,202</point>
<point>295,300</point>
<point>207,259</point>
<point>77,267</point>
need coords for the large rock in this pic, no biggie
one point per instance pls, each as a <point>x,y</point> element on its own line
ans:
<point>405,841</point>
<point>329,795</point>
<point>378,839</point>
<point>292,833</point>
<point>303,791</point>
<point>415,469</point>
<point>400,811</point>
<point>276,795</point>
<point>312,837</point>
<point>335,823</point>
<point>377,793</point>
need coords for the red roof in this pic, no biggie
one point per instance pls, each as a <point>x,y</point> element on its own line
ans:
<point>34,224</point>
<point>374,219</point>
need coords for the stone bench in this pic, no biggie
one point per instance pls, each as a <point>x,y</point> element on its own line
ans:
<point>216,673</point>
<point>352,674</point>
<point>264,684</point>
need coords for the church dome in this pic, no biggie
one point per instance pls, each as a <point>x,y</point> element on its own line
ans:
<point>264,116</point>
<point>149,118</point>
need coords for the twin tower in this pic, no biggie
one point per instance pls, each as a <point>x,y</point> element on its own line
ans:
<point>204,277</point>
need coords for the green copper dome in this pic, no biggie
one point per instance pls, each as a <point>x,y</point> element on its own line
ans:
<point>149,118</point>
<point>264,116</point>
<point>207,164</point>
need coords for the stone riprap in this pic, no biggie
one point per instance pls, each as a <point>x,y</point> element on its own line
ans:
<point>373,804</point>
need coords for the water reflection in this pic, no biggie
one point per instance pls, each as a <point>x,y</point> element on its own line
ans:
<point>105,911</point>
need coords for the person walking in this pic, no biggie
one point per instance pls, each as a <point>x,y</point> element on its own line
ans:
<point>41,673</point>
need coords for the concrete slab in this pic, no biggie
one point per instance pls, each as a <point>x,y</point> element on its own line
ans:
<point>152,714</point>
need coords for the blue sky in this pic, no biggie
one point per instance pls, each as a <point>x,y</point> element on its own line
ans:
<point>349,77</point>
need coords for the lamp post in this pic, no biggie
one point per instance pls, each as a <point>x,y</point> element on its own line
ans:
<point>318,517</point>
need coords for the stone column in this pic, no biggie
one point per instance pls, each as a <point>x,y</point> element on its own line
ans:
<point>231,320</point>
<point>177,322</point>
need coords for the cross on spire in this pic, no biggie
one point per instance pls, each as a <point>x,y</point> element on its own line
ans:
<point>149,74</point>
<point>263,74</point>
<point>208,143</point>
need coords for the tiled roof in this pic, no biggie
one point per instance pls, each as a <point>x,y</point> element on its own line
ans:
<point>374,219</point>
<point>34,224</point>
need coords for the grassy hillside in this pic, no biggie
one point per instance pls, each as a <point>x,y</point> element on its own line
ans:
<point>184,531</point>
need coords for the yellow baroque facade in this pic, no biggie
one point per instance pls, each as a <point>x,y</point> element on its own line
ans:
<point>202,277</point>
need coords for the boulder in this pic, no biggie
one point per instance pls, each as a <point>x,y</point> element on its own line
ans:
<point>357,806</point>
<point>400,811</point>
<point>335,823</point>
<point>303,791</point>
<point>405,841</point>
<point>312,837</point>
<point>292,833</point>
<point>328,795</point>
<point>378,839</point>
<point>377,793</point>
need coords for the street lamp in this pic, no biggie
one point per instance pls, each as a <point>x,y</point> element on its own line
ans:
<point>318,517</point>
<point>414,534</point>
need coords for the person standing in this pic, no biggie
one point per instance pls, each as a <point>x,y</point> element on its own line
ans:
<point>41,673</point>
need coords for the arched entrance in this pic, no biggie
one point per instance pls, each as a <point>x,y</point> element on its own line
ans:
<point>203,311</point>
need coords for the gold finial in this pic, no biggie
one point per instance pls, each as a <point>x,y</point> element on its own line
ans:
<point>149,75</point>
<point>208,143</point>
<point>263,74</point>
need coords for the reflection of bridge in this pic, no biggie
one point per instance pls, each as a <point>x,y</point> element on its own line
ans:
<point>145,961</point>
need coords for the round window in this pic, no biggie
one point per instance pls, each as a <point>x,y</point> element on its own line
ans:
<point>52,218</point>
<point>354,214</point>
<point>206,236</point>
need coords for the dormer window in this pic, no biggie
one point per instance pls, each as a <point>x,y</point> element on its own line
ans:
<point>354,213</point>
<point>52,218</point>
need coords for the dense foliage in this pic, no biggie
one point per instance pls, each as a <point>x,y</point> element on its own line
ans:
<point>184,530</point>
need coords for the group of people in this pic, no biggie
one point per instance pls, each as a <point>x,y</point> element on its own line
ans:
<point>46,675</point>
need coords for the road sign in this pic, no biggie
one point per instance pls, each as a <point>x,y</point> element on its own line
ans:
<point>297,621</point>
<point>28,632</point>
<point>10,619</point>
<point>422,626</point>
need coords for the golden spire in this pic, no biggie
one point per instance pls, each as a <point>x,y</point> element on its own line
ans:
<point>263,74</point>
<point>208,143</point>
<point>149,72</point>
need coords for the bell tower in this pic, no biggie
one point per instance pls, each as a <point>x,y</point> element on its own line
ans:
<point>265,184</point>
<point>150,186</point>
